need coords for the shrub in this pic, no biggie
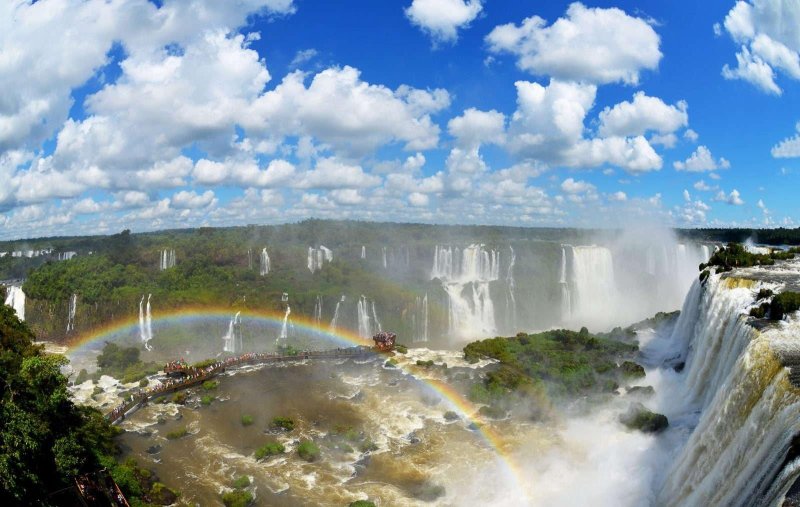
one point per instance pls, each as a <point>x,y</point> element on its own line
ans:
<point>362,503</point>
<point>391,363</point>
<point>282,424</point>
<point>210,385</point>
<point>270,449</point>
<point>204,364</point>
<point>144,382</point>
<point>784,303</point>
<point>206,400</point>
<point>178,433</point>
<point>179,398</point>
<point>247,420</point>
<point>401,349</point>
<point>308,450</point>
<point>368,446</point>
<point>631,370</point>
<point>425,364</point>
<point>242,482</point>
<point>451,416</point>
<point>640,418</point>
<point>82,377</point>
<point>237,498</point>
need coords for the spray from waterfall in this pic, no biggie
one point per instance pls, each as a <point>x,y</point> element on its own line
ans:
<point>335,319</point>
<point>71,309</point>
<point>15,298</point>
<point>265,264</point>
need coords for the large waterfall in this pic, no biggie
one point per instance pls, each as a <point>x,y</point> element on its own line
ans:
<point>465,276</point>
<point>285,326</point>
<point>592,291</point>
<point>335,319</point>
<point>743,450</point>
<point>318,310</point>
<point>71,309</point>
<point>145,323</point>
<point>364,325</point>
<point>420,319</point>
<point>264,266</point>
<point>15,298</point>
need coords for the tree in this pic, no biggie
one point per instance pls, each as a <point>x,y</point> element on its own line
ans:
<point>45,440</point>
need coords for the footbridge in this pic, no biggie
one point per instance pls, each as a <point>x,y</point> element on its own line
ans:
<point>182,376</point>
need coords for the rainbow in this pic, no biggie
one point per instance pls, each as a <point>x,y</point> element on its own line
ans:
<point>458,403</point>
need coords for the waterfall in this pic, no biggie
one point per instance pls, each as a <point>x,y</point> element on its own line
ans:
<point>145,323</point>
<point>335,319</point>
<point>375,318</point>
<point>363,252</point>
<point>233,338</point>
<point>72,307</point>
<point>511,300</point>
<point>249,258</point>
<point>167,259</point>
<point>566,296</point>
<point>589,292</point>
<point>15,298</point>
<point>318,310</point>
<point>317,257</point>
<point>419,319</point>
<point>364,328</point>
<point>383,250</point>
<point>742,451</point>
<point>465,276</point>
<point>264,265</point>
<point>706,252</point>
<point>285,327</point>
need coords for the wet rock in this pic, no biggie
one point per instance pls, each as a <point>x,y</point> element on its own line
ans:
<point>638,417</point>
<point>641,391</point>
<point>451,416</point>
<point>629,369</point>
<point>154,449</point>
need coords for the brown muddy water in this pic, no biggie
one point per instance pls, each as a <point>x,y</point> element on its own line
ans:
<point>420,457</point>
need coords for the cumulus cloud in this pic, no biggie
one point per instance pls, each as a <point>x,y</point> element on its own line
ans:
<point>618,196</point>
<point>701,160</point>
<point>331,173</point>
<point>589,44</point>
<point>442,19</point>
<point>733,198</point>
<point>571,186</point>
<point>769,43</point>
<point>642,115</point>
<point>192,200</point>
<point>789,147</point>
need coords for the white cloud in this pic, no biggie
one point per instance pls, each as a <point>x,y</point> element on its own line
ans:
<point>353,116</point>
<point>686,196</point>
<point>331,173</point>
<point>442,19</point>
<point>347,196</point>
<point>303,56</point>
<point>766,31</point>
<point>789,147</point>
<point>703,186</point>
<point>734,198</point>
<point>475,127</point>
<point>643,115</point>
<point>192,200</point>
<point>665,140</point>
<point>589,44</point>
<point>701,160</point>
<point>572,186</point>
<point>691,135</point>
<point>418,199</point>
<point>618,196</point>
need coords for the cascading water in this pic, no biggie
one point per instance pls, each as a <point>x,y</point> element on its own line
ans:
<point>145,323</point>
<point>743,450</point>
<point>285,326</point>
<point>71,309</point>
<point>335,319</point>
<point>364,326</point>
<point>264,264</point>
<point>465,276</point>
<point>167,259</point>
<point>318,310</point>
<point>15,298</point>
<point>317,257</point>
<point>566,296</point>
<point>233,338</point>
<point>511,300</point>
<point>377,322</point>
<point>363,252</point>
<point>383,251</point>
<point>419,319</point>
<point>591,285</point>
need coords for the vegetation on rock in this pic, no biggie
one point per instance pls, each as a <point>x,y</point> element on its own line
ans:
<point>308,450</point>
<point>269,449</point>
<point>640,418</point>
<point>282,424</point>
<point>237,498</point>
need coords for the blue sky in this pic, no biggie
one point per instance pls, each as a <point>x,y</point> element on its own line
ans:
<point>142,115</point>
